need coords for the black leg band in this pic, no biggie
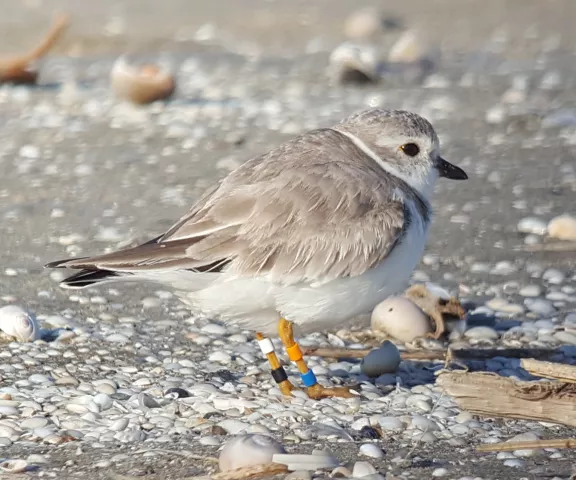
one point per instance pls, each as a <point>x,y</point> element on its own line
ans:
<point>279,375</point>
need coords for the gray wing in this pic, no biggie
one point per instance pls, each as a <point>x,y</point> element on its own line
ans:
<point>313,217</point>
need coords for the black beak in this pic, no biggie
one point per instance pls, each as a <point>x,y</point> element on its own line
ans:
<point>447,170</point>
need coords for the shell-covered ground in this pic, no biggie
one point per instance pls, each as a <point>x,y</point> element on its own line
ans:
<point>82,172</point>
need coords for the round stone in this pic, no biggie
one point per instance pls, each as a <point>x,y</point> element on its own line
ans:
<point>384,359</point>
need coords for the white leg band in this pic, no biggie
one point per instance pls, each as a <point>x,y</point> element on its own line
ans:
<point>266,346</point>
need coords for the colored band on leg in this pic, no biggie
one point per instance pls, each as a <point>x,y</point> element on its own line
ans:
<point>294,352</point>
<point>279,375</point>
<point>266,346</point>
<point>308,378</point>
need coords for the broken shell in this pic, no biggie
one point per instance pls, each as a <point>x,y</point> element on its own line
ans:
<point>400,318</point>
<point>18,69</point>
<point>18,323</point>
<point>14,466</point>
<point>446,311</point>
<point>381,360</point>
<point>363,469</point>
<point>354,63</point>
<point>142,84</point>
<point>295,461</point>
<point>247,451</point>
<point>407,49</point>
<point>562,227</point>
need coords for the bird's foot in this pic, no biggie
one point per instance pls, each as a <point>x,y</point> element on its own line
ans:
<point>318,392</point>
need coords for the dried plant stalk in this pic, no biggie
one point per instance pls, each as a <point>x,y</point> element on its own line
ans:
<point>557,371</point>
<point>463,354</point>
<point>491,395</point>
<point>17,67</point>
<point>528,445</point>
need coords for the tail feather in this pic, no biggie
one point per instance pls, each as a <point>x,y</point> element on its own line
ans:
<point>87,278</point>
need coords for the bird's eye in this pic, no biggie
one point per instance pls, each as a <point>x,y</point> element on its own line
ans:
<point>410,149</point>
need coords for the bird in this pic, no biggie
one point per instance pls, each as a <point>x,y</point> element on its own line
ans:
<point>314,232</point>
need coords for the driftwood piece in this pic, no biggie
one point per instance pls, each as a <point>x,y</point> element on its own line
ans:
<point>528,445</point>
<point>495,396</point>
<point>18,68</point>
<point>462,354</point>
<point>557,371</point>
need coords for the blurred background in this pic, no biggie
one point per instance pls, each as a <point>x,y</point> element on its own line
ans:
<point>83,169</point>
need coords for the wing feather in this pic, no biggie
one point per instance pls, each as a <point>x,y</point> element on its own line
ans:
<point>321,218</point>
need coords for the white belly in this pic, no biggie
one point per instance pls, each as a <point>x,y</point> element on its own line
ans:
<point>256,304</point>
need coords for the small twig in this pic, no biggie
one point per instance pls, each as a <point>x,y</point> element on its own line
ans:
<point>58,26</point>
<point>16,68</point>
<point>470,354</point>
<point>245,473</point>
<point>550,247</point>
<point>528,445</point>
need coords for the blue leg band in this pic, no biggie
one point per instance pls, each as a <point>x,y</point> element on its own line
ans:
<point>308,378</point>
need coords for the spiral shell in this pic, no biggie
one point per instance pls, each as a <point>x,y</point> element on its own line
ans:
<point>18,323</point>
<point>141,85</point>
<point>14,466</point>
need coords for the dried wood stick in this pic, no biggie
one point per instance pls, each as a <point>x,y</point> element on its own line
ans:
<point>470,354</point>
<point>557,371</point>
<point>16,68</point>
<point>491,395</point>
<point>528,445</point>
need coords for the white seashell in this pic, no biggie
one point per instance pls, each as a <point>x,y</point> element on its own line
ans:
<point>363,469</point>
<point>563,227</point>
<point>407,49</point>
<point>340,472</point>
<point>142,84</point>
<point>366,23</point>
<point>371,450</point>
<point>401,319</point>
<point>247,451</point>
<point>14,466</point>
<point>532,225</point>
<point>18,323</point>
<point>355,63</point>
<point>384,359</point>
<point>305,462</point>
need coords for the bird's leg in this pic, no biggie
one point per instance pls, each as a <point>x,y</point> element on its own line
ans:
<point>278,372</point>
<point>313,388</point>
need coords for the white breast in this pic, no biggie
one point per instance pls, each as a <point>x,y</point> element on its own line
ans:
<point>331,304</point>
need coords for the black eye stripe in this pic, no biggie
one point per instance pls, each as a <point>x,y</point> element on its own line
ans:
<point>410,149</point>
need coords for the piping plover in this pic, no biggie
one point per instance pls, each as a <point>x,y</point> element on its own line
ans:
<point>312,233</point>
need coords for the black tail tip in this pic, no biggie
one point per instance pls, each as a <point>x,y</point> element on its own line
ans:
<point>86,278</point>
<point>56,264</point>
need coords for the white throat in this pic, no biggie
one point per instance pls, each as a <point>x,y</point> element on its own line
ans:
<point>421,181</point>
